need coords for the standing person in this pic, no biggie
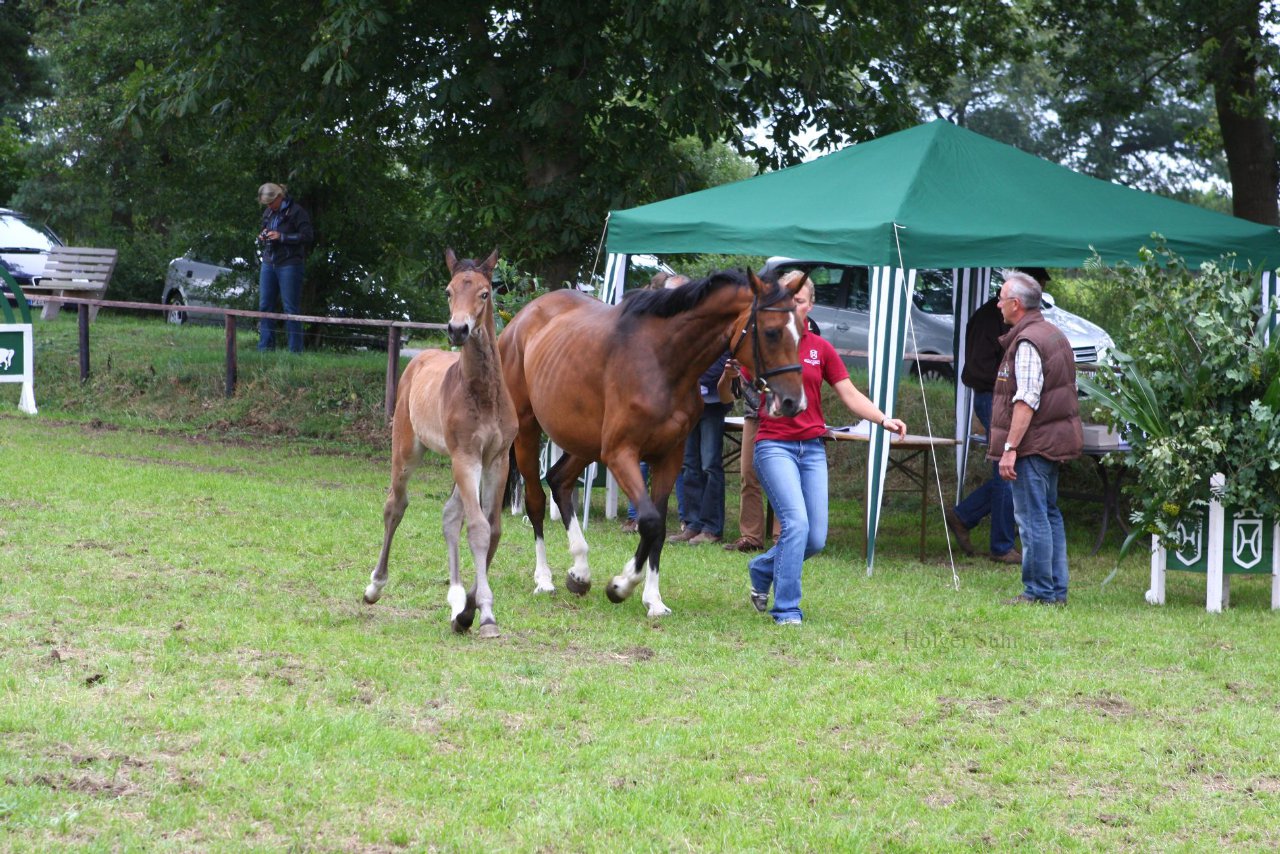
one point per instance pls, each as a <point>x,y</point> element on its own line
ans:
<point>703,471</point>
<point>982,353</point>
<point>792,464</point>
<point>1035,426</point>
<point>750,507</point>
<point>285,235</point>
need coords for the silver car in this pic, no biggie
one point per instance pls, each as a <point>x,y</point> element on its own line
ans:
<point>192,282</point>
<point>842,310</point>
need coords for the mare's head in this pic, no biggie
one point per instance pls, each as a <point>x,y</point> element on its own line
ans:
<point>470,292</point>
<point>764,338</point>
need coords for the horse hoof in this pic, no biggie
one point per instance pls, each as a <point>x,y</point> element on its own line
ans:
<point>660,611</point>
<point>372,594</point>
<point>489,630</point>
<point>614,593</point>
<point>462,622</point>
<point>544,588</point>
<point>576,586</point>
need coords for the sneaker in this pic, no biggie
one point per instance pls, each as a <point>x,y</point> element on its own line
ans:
<point>685,535</point>
<point>704,537</point>
<point>1011,556</point>
<point>743,544</point>
<point>959,529</point>
<point>789,621</point>
<point>760,601</point>
<point>631,526</point>
<point>1061,603</point>
<point>1021,599</point>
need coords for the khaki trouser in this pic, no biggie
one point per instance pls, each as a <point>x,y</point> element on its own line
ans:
<point>751,510</point>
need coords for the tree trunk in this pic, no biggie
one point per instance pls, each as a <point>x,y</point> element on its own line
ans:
<point>1246,132</point>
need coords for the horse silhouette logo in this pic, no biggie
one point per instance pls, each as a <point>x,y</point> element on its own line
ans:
<point>6,358</point>
<point>1246,541</point>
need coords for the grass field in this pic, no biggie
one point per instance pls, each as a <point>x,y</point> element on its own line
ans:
<point>186,664</point>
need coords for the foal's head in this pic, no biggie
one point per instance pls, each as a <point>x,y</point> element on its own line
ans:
<point>470,292</point>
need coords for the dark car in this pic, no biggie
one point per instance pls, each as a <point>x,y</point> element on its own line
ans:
<point>24,244</point>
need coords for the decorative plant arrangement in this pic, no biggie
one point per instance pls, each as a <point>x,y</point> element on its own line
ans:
<point>1195,387</point>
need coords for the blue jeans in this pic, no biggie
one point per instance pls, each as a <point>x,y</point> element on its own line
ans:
<point>994,496</point>
<point>794,478</point>
<point>704,472</point>
<point>1044,538</point>
<point>284,284</point>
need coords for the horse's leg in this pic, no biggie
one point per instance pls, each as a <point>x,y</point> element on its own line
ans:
<point>562,478</point>
<point>626,470</point>
<point>468,473</point>
<point>406,453</point>
<point>461,606</point>
<point>662,476</point>
<point>492,480</point>
<point>527,445</point>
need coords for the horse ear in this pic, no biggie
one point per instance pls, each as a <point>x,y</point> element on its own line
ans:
<point>798,282</point>
<point>489,263</point>
<point>758,287</point>
<point>450,260</point>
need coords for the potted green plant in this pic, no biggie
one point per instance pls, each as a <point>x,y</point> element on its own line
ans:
<point>1195,387</point>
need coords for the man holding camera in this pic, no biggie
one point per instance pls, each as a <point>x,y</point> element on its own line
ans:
<point>285,236</point>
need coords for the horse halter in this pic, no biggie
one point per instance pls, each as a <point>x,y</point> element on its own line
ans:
<point>760,383</point>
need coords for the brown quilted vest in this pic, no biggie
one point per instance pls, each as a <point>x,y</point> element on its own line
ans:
<point>1055,431</point>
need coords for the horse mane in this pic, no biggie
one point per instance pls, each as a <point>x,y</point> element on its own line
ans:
<point>466,265</point>
<point>669,302</point>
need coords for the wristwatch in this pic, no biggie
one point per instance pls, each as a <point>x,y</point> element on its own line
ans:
<point>1008,447</point>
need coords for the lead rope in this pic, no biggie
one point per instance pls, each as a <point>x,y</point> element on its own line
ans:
<point>933,454</point>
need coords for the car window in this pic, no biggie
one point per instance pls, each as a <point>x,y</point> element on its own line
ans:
<point>933,291</point>
<point>19,233</point>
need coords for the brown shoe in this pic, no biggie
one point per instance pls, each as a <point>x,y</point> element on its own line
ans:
<point>959,529</point>
<point>684,536</point>
<point>1021,599</point>
<point>704,537</point>
<point>743,544</point>
<point>1011,556</point>
<point>631,526</point>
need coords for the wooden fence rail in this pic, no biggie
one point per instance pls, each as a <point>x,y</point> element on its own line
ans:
<point>229,315</point>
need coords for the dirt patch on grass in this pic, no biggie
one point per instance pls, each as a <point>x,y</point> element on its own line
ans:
<point>1107,704</point>
<point>978,706</point>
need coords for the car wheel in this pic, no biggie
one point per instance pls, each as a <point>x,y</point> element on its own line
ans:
<point>939,371</point>
<point>175,315</point>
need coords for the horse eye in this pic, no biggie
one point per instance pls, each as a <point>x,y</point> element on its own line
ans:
<point>484,295</point>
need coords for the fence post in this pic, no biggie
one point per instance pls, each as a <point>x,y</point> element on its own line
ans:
<point>82,311</point>
<point>393,368</point>
<point>230,323</point>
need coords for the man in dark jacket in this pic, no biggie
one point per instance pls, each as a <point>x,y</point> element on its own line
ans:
<point>285,235</point>
<point>703,472</point>
<point>1035,427</point>
<point>982,353</point>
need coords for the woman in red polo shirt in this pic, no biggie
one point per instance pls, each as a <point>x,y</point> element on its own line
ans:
<point>791,463</point>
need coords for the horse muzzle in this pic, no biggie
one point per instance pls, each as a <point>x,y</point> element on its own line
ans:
<point>458,333</point>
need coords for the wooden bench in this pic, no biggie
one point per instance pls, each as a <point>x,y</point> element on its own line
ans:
<point>73,271</point>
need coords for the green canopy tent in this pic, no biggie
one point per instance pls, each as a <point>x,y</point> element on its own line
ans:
<point>932,196</point>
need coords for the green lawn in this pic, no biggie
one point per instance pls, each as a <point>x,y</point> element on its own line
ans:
<point>186,664</point>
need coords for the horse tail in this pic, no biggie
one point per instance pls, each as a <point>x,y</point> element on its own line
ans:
<point>511,490</point>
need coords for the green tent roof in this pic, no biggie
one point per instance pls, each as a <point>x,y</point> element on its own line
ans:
<point>957,198</point>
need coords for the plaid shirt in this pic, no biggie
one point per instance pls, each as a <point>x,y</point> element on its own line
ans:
<point>1028,370</point>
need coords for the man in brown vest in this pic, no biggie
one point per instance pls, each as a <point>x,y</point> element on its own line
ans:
<point>1035,426</point>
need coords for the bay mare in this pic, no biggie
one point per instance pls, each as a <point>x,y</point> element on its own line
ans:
<point>618,384</point>
<point>456,404</point>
